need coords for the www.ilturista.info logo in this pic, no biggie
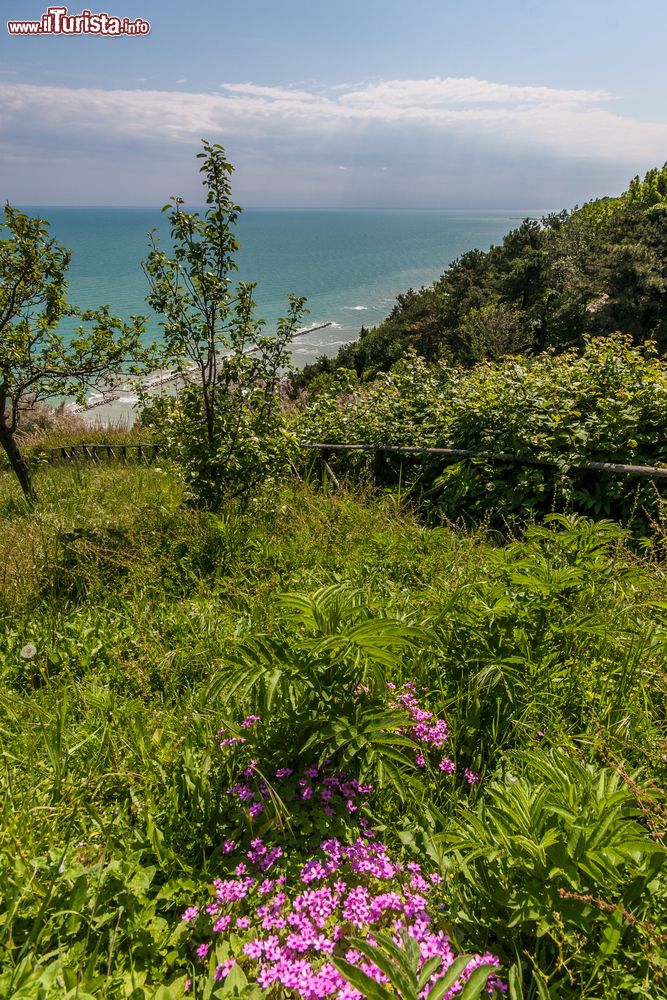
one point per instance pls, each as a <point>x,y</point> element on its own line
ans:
<point>57,21</point>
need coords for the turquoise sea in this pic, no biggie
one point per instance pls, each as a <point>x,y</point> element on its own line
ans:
<point>350,265</point>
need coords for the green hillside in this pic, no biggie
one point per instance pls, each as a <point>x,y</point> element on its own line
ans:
<point>592,271</point>
<point>405,739</point>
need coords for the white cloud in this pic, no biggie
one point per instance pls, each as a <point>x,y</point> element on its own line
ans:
<point>567,123</point>
<point>464,90</point>
<point>418,132</point>
<point>272,93</point>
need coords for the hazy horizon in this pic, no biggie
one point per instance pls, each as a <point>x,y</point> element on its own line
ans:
<point>303,208</point>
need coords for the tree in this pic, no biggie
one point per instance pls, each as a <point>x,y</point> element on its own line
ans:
<point>36,362</point>
<point>223,428</point>
<point>492,331</point>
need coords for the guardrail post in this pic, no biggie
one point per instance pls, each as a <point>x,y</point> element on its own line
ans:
<point>327,470</point>
<point>378,465</point>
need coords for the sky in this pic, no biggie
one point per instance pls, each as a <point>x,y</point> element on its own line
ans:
<point>349,103</point>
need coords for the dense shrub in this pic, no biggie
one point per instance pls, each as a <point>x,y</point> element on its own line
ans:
<point>606,405</point>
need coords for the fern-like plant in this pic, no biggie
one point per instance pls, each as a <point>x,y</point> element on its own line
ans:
<point>410,976</point>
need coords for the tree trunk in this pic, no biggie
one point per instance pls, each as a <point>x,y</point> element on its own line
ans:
<point>16,460</point>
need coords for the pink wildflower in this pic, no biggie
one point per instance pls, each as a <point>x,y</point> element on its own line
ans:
<point>222,971</point>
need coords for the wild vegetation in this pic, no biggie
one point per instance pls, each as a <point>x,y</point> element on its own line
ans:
<point>604,404</point>
<point>260,739</point>
<point>490,717</point>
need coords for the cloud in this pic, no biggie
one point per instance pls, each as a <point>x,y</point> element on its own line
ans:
<point>574,122</point>
<point>271,93</point>
<point>417,128</point>
<point>464,90</point>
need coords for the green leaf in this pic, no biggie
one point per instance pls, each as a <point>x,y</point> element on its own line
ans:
<point>542,988</point>
<point>612,933</point>
<point>453,973</point>
<point>398,972</point>
<point>476,985</point>
<point>515,982</point>
<point>236,980</point>
<point>429,969</point>
<point>366,986</point>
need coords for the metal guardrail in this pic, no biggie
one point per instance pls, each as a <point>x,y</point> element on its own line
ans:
<point>95,453</point>
<point>148,452</point>
<point>379,451</point>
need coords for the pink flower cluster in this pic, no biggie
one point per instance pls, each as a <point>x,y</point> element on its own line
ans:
<point>431,733</point>
<point>230,741</point>
<point>329,791</point>
<point>287,932</point>
<point>425,729</point>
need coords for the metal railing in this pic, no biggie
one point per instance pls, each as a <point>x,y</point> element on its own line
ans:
<point>149,452</point>
<point>380,451</point>
<point>96,453</point>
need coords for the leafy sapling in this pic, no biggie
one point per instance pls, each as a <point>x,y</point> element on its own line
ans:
<point>37,362</point>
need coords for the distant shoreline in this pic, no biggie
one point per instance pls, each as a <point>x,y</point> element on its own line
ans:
<point>122,402</point>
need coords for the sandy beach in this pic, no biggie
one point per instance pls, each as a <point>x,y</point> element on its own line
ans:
<point>119,408</point>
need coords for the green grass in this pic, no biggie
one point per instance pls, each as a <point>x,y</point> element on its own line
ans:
<point>546,655</point>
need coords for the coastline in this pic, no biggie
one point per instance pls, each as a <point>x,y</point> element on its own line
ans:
<point>118,407</point>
